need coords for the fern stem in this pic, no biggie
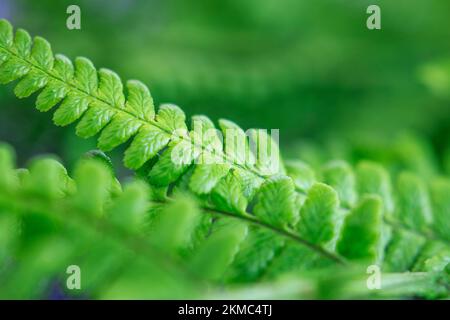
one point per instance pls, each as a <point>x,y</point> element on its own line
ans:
<point>283,232</point>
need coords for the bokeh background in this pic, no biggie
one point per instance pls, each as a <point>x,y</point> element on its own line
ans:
<point>309,68</point>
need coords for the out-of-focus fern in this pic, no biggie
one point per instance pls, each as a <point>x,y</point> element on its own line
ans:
<point>300,219</point>
<point>342,283</point>
<point>50,221</point>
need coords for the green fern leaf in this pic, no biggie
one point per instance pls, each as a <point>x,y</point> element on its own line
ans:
<point>207,176</point>
<point>413,204</point>
<point>93,181</point>
<point>8,179</point>
<point>275,202</point>
<point>31,83</point>
<point>52,94</point>
<point>228,195</point>
<point>70,110</point>
<point>118,131</point>
<point>48,178</point>
<point>340,176</point>
<point>6,34</point>
<point>148,142</point>
<point>402,251</point>
<point>302,175</point>
<point>130,208</point>
<point>373,179</point>
<point>361,236</point>
<point>42,54</point>
<point>175,224</point>
<point>255,255</point>
<point>319,214</point>
<point>217,252</point>
<point>140,102</point>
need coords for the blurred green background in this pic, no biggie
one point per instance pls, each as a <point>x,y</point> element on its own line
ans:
<point>309,68</point>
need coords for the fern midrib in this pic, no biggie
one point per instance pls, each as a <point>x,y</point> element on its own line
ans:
<point>285,232</point>
<point>153,123</point>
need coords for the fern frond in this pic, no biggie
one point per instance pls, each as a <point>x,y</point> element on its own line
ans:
<point>398,241</point>
<point>97,99</point>
<point>297,205</point>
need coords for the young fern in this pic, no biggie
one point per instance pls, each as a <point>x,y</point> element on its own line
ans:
<point>337,218</point>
